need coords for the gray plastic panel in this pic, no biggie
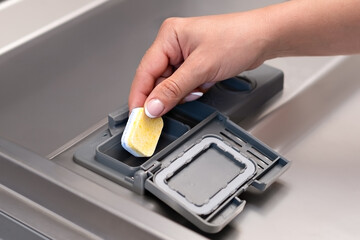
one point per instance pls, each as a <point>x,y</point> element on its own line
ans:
<point>202,177</point>
<point>204,187</point>
<point>105,155</point>
<point>242,95</point>
<point>203,160</point>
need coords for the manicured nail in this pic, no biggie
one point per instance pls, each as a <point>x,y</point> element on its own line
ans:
<point>154,108</point>
<point>206,86</point>
<point>193,96</point>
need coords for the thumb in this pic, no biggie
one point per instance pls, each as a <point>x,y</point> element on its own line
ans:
<point>175,88</point>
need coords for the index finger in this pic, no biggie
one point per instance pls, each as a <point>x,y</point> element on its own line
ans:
<point>152,66</point>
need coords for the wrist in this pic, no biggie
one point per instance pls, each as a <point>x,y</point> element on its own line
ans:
<point>267,33</point>
<point>287,29</point>
<point>274,28</point>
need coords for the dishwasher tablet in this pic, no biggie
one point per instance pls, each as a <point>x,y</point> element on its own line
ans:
<point>141,133</point>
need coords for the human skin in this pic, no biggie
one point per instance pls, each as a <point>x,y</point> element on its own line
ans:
<point>191,54</point>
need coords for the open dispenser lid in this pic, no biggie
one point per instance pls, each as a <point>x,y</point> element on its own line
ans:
<point>202,173</point>
<point>205,175</point>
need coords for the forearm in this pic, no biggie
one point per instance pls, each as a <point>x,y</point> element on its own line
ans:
<point>314,27</point>
<point>191,53</point>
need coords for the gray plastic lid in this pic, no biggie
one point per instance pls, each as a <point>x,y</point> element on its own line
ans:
<point>203,172</point>
<point>205,175</point>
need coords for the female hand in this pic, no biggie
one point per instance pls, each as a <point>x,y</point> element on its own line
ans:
<point>190,54</point>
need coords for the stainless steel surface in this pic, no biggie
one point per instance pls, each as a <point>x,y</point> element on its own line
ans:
<point>57,85</point>
<point>24,20</point>
<point>17,230</point>
<point>314,123</point>
<point>318,130</point>
<point>62,205</point>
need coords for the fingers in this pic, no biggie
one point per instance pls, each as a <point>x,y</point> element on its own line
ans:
<point>157,87</point>
<point>157,64</point>
<point>153,66</point>
<point>182,85</point>
<point>193,96</point>
<point>190,55</point>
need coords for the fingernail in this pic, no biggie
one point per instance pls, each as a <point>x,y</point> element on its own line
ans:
<point>206,86</point>
<point>193,96</point>
<point>154,108</point>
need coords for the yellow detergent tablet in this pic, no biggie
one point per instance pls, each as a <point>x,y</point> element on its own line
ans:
<point>141,133</point>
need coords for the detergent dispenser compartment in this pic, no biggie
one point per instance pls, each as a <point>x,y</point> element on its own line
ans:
<point>111,153</point>
<point>203,160</point>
